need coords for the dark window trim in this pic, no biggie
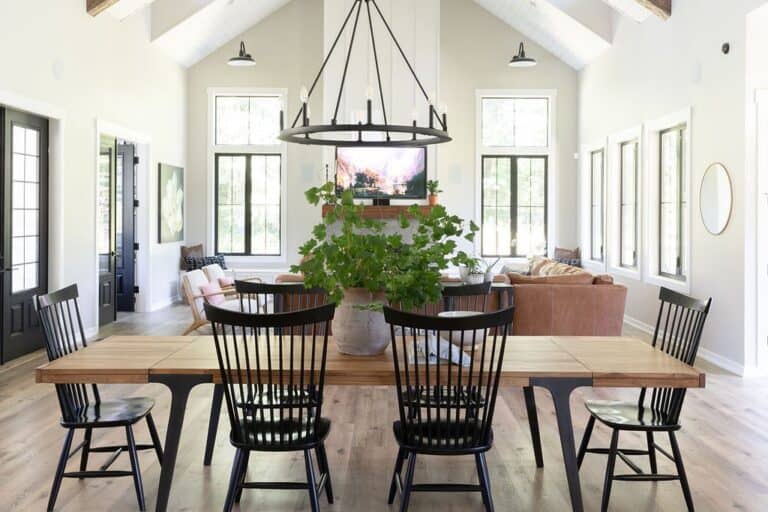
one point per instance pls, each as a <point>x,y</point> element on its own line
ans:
<point>247,205</point>
<point>592,154</point>
<point>636,218</point>
<point>513,202</point>
<point>680,129</point>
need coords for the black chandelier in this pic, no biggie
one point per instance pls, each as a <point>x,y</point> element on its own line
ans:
<point>302,131</point>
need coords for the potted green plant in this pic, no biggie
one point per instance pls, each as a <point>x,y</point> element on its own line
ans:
<point>433,186</point>
<point>362,267</point>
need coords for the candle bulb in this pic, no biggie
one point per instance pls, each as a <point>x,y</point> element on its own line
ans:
<point>303,94</point>
<point>369,92</point>
<point>414,114</point>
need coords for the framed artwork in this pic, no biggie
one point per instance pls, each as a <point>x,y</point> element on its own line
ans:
<point>170,212</point>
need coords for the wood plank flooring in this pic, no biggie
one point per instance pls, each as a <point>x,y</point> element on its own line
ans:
<point>724,442</point>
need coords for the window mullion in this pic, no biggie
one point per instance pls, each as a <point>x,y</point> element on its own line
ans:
<point>513,204</point>
<point>247,206</point>
<point>680,202</point>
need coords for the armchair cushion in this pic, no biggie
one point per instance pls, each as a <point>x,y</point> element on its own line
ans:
<point>213,293</point>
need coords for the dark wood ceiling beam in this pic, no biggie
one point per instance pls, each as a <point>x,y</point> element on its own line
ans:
<point>94,7</point>
<point>661,8</point>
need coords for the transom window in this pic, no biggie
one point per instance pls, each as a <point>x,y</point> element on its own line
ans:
<point>514,152</point>
<point>248,160</point>
<point>673,207</point>
<point>628,224</point>
<point>597,210</point>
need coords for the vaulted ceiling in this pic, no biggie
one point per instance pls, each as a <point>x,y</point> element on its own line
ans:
<point>576,31</point>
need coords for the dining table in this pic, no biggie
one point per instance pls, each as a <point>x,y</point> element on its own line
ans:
<point>559,364</point>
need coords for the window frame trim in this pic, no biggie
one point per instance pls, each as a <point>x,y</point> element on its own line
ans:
<point>550,152</point>
<point>651,232</point>
<point>247,202</point>
<point>243,260</point>
<point>679,275</point>
<point>603,252</point>
<point>514,205</point>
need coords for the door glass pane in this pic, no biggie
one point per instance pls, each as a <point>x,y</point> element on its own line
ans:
<point>103,203</point>
<point>119,212</point>
<point>25,193</point>
<point>497,207</point>
<point>531,206</point>
<point>230,229</point>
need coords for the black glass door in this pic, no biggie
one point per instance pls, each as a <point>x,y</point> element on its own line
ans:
<point>125,211</point>
<point>24,258</point>
<point>107,227</point>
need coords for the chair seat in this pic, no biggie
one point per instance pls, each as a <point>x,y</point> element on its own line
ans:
<point>285,435</point>
<point>449,437</point>
<point>628,416</point>
<point>110,413</point>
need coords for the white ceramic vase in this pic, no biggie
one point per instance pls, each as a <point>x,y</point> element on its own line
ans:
<point>360,332</point>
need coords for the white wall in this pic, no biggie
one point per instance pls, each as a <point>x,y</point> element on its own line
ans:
<point>64,61</point>
<point>475,49</point>
<point>288,49</point>
<point>657,68</point>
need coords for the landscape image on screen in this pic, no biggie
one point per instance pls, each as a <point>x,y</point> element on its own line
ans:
<point>392,173</point>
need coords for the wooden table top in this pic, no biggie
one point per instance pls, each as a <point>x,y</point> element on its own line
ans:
<point>608,361</point>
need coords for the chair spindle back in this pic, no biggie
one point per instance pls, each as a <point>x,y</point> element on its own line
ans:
<point>273,370</point>
<point>466,297</point>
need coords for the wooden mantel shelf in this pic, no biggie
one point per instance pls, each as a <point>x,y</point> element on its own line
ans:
<point>382,212</point>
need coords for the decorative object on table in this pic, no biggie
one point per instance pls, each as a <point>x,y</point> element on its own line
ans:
<point>170,212</point>
<point>716,199</point>
<point>521,60</point>
<point>366,132</point>
<point>433,186</point>
<point>488,277</point>
<point>242,59</point>
<point>361,267</point>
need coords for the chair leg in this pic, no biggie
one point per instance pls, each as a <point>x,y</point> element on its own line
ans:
<point>322,461</point>
<point>60,469</point>
<point>398,469</point>
<point>155,438</point>
<point>485,481</point>
<point>585,441</point>
<point>243,474</point>
<point>406,497</point>
<point>612,453</point>
<point>86,450</point>
<point>681,471</point>
<point>652,452</point>
<point>314,501</point>
<point>133,454</point>
<point>533,423</point>
<point>234,479</point>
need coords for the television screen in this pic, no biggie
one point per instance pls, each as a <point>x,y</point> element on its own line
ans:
<point>378,172</point>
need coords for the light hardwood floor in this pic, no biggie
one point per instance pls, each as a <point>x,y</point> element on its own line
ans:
<point>724,442</point>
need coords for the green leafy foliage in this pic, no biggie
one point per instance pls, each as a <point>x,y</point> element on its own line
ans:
<point>433,186</point>
<point>348,250</point>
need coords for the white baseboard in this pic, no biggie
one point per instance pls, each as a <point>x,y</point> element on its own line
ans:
<point>91,332</point>
<point>707,355</point>
<point>163,303</point>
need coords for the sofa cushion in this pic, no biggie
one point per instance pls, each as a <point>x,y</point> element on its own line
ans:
<point>555,268</point>
<point>289,278</point>
<point>603,279</point>
<point>574,278</point>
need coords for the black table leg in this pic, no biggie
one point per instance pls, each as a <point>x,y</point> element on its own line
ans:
<point>213,422</point>
<point>561,389</point>
<point>180,386</point>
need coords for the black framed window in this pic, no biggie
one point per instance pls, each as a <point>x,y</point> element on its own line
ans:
<point>248,204</point>
<point>673,206</point>
<point>628,223</point>
<point>597,210</point>
<point>514,205</point>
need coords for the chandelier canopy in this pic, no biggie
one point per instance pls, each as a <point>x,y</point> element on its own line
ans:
<point>367,132</point>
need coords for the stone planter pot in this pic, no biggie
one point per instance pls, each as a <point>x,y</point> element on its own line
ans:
<point>432,199</point>
<point>360,332</point>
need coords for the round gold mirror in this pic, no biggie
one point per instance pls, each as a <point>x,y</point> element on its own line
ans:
<point>716,198</point>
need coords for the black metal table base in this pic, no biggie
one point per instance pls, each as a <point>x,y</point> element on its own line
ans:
<point>180,387</point>
<point>561,389</point>
<point>213,422</point>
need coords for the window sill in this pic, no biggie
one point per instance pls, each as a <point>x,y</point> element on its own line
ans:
<point>668,282</point>
<point>243,262</point>
<point>627,273</point>
<point>594,266</point>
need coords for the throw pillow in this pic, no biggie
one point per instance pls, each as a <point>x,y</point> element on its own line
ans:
<point>191,251</point>
<point>213,293</point>
<point>193,263</point>
<point>226,282</point>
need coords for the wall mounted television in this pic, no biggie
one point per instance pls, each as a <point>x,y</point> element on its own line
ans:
<point>382,172</point>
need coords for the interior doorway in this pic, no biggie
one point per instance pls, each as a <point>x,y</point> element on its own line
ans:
<point>117,247</point>
<point>23,229</point>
